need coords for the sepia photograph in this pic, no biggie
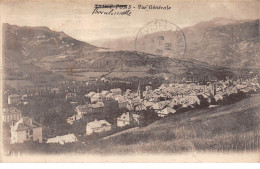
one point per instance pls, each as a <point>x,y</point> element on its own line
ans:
<point>130,81</point>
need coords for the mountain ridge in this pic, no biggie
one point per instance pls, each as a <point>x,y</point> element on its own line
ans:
<point>220,41</point>
<point>56,54</point>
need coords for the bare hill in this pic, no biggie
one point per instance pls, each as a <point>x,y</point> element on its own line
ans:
<point>221,42</point>
<point>59,56</point>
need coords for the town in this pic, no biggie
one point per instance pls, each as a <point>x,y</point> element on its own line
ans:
<point>75,111</point>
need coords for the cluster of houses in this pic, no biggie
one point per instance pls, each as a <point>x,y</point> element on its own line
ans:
<point>165,100</point>
<point>168,98</point>
<point>103,105</point>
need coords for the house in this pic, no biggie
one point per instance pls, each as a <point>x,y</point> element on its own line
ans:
<point>95,98</point>
<point>166,111</point>
<point>130,106</point>
<point>69,138</point>
<point>103,79</point>
<point>148,104</point>
<point>14,99</point>
<point>148,88</point>
<point>110,105</point>
<point>116,91</point>
<point>55,91</point>
<point>81,110</point>
<point>122,102</point>
<point>212,106</point>
<point>73,118</point>
<point>127,119</point>
<point>24,97</point>
<point>90,108</point>
<point>97,126</point>
<point>25,130</point>
<point>104,93</point>
<point>136,118</point>
<point>91,111</point>
<point>90,94</point>
<point>11,114</point>
<point>110,95</point>
<point>218,97</point>
<point>160,105</point>
<point>71,96</point>
<point>97,107</point>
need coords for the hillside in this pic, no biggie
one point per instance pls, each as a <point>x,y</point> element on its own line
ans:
<point>231,127</point>
<point>224,42</point>
<point>57,56</point>
<point>24,47</point>
<point>221,42</point>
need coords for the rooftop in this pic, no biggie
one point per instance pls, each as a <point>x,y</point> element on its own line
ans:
<point>25,123</point>
<point>98,124</point>
<point>14,95</point>
<point>69,138</point>
<point>11,110</point>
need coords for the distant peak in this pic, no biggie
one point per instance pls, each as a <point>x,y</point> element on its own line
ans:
<point>43,28</point>
<point>220,19</point>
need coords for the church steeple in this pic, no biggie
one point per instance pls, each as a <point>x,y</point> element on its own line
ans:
<point>139,91</point>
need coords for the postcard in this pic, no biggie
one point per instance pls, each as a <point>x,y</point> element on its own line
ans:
<point>130,81</point>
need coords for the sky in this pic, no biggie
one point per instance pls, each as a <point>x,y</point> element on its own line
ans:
<point>75,18</point>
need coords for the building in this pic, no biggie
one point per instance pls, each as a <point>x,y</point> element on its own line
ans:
<point>97,126</point>
<point>116,91</point>
<point>95,98</point>
<point>96,108</point>
<point>160,105</point>
<point>148,104</point>
<point>122,102</point>
<point>11,114</point>
<point>90,94</point>
<point>166,111</point>
<point>104,93</point>
<point>136,119</point>
<point>71,96</point>
<point>81,110</point>
<point>140,92</point>
<point>26,130</point>
<point>128,119</point>
<point>73,118</point>
<point>69,138</point>
<point>91,111</point>
<point>148,88</point>
<point>130,107</point>
<point>110,105</point>
<point>14,99</point>
<point>55,91</point>
<point>110,95</point>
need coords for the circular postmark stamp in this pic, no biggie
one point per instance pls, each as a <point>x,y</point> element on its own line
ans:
<point>161,37</point>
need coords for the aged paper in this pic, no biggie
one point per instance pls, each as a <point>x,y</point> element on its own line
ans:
<point>130,81</point>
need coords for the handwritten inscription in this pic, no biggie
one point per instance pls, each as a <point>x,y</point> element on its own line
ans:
<point>119,9</point>
<point>111,12</point>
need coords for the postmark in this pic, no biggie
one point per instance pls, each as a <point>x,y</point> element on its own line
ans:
<point>161,37</point>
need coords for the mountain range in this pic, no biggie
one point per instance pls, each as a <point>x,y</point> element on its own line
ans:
<point>37,55</point>
<point>221,42</point>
